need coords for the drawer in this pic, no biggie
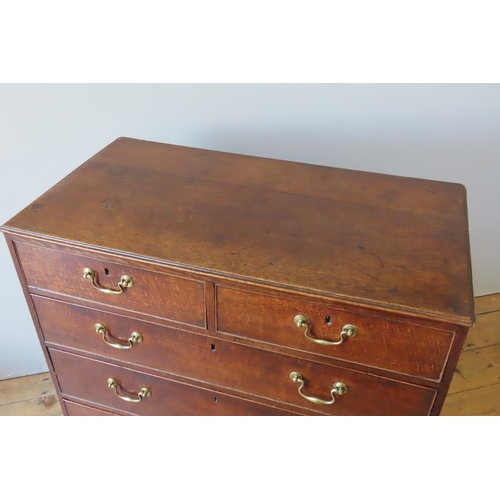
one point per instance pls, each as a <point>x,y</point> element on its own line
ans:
<point>166,397</point>
<point>391,345</point>
<point>227,364</point>
<point>153,293</point>
<point>78,410</point>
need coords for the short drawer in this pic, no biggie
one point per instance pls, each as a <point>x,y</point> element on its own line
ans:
<point>89,380</point>
<point>79,410</point>
<point>152,293</point>
<point>390,345</point>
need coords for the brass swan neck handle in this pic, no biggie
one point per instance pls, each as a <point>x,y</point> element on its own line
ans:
<point>135,337</point>
<point>338,389</point>
<point>143,393</point>
<point>348,331</point>
<point>125,282</point>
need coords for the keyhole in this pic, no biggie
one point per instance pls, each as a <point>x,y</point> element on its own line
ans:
<point>106,271</point>
<point>328,320</point>
<point>215,400</point>
<point>212,347</point>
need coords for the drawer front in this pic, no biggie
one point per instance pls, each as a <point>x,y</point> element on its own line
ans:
<point>229,365</point>
<point>78,410</point>
<point>87,379</point>
<point>152,293</point>
<point>391,345</point>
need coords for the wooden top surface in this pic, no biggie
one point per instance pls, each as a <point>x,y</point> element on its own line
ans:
<point>391,242</point>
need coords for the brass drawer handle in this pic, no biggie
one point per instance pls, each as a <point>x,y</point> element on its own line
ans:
<point>347,331</point>
<point>143,393</point>
<point>125,281</point>
<point>339,388</point>
<point>135,337</point>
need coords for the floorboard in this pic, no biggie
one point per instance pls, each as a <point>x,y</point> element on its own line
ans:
<point>487,303</point>
<point>485,333</point>
<point>39,407</point>
<point>477,368</point>
<point>481,401</point>
<point>24,388</point>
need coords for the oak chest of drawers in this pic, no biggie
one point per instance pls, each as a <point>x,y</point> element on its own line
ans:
<point>166,280</point>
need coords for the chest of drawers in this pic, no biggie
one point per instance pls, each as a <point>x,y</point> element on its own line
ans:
<point>165,280</point>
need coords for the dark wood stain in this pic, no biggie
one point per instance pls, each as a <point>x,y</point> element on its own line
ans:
<point>233,215</point>
<point>156,294</point>
<point>167,398</point>
<point>224,251</point>
<point>387,344</point>
<point>221,363</point>
<point>79,410</point>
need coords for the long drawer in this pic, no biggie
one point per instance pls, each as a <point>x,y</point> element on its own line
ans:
<point>107,385</point>
<point>79,410</point>
<point>226,364</point>
<point>153,293</point>
<point>397,346</point>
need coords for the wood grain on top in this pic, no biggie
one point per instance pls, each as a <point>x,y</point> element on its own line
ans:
<point>391,242</point>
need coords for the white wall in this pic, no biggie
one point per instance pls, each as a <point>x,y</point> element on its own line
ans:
<point>443,132</point>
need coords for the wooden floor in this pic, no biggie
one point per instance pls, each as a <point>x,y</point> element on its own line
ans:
<point>475,388</point>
